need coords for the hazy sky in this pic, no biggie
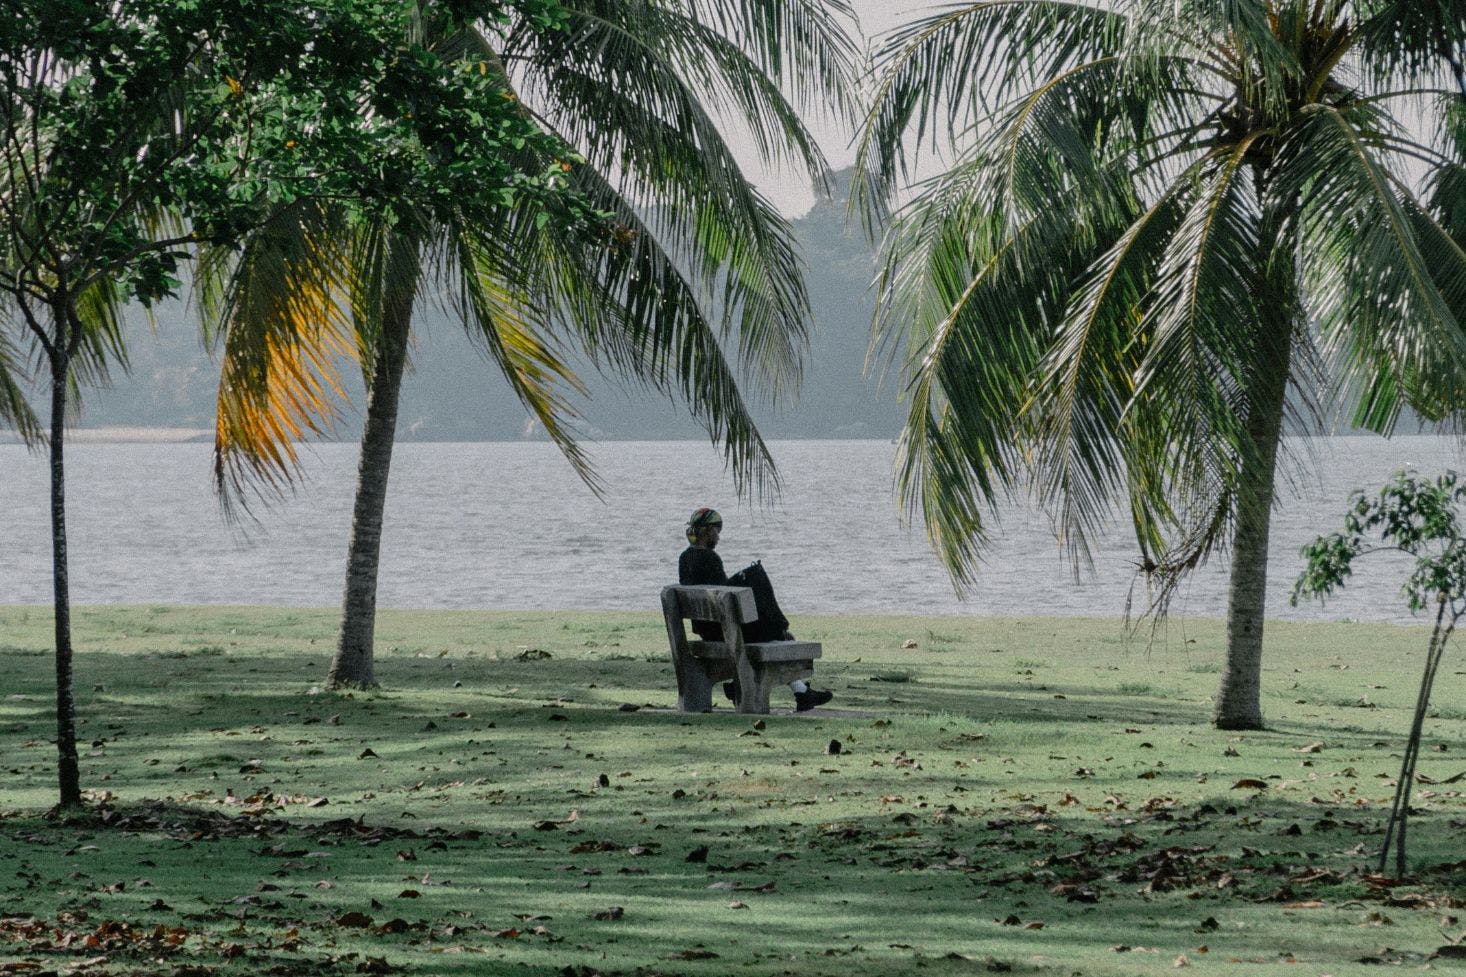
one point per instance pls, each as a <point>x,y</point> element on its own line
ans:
<point>876,17</point>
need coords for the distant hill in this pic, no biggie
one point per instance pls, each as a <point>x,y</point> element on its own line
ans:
<point>453,394</point>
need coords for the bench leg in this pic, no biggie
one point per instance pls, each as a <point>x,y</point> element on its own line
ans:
<point>694,687</point>
<point>764,679</point>
<point>755,684</point>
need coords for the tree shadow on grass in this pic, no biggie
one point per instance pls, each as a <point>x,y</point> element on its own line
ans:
<point>1252,877</point>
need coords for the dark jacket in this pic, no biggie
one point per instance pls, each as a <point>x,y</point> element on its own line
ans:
<point>701,567</point>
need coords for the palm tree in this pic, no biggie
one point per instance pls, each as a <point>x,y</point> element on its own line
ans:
<point>1163,227</point>
<point>690,260</point>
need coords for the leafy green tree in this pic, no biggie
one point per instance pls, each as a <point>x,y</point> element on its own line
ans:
<point>133,131</point>
<point>694,279</point>
<point>1422,518</point>
<point>1156,218</point>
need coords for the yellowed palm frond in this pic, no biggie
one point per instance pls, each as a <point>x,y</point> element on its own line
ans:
<point>287,334</point>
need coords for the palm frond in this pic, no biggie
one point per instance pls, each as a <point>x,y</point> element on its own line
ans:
<point>942,73</point>
<point>100,309</point>
<point>643,130</point>
<point>1413,41</point>
<point>1189,413</point>
<point>678,68</point>
<point>969,303</point>
<point>508,324</point>
<point>15,409</point>
<point>1446,185</point>
<point>1254,46</point>
<point>1086,385</point>
<point>806,46</point>
<point>285,333</point>
<point>1382,294</point>
<point>636,312</point>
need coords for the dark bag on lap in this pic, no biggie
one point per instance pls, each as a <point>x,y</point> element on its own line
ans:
<point>771,624</point>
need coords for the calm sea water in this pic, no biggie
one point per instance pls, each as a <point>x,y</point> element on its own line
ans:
<point>507,525</point>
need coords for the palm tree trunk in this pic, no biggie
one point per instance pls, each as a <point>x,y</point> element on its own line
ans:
<point>352,665</point>
<point>68,774</point>
<point>1238,704</point>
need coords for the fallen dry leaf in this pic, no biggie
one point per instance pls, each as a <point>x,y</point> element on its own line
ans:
<point>397,925</point>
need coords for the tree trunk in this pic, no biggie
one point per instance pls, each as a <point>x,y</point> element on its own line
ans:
<point>1238,704</point>
<point>68,774</point>
<point>352,665</point>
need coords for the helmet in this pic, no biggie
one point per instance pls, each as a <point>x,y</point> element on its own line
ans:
<point>705,517</point>
<point>701,519</point>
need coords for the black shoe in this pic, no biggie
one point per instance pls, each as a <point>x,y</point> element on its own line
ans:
<point>730,689</point>
<point>807,700</point>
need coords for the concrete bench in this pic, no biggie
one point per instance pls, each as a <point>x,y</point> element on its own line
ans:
<point>759,666</point>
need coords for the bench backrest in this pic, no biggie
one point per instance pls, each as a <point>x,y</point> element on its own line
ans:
<point>728,607</point>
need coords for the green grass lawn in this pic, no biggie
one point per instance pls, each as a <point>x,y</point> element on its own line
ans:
<point>1034,796</point>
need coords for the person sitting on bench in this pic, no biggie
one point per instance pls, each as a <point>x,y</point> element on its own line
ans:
<point>699,565</point>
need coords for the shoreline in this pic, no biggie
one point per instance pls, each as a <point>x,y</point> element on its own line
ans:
<point>142,434</point>
<point>127,435</point>
<point>1176,626</point>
